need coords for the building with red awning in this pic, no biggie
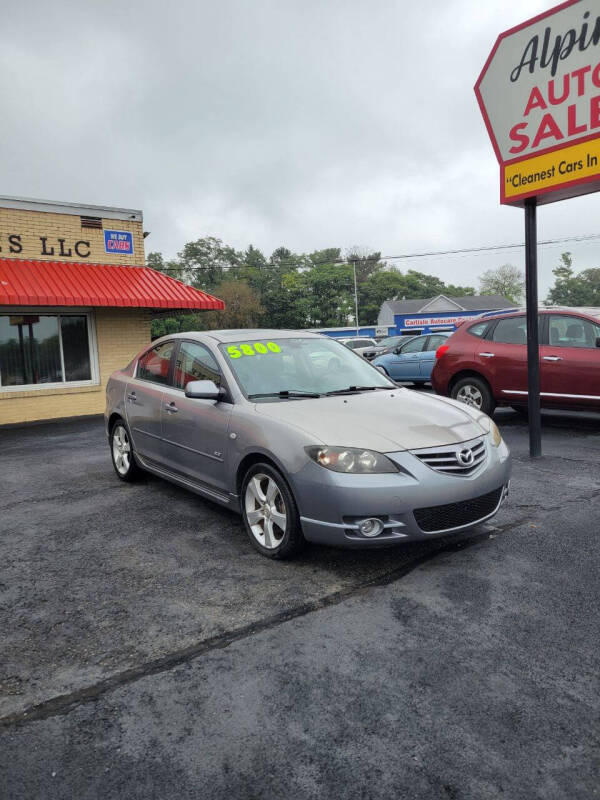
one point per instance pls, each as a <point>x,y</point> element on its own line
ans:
<point>75,304</point>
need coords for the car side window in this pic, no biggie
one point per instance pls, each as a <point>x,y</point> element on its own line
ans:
<point>512,330</point>
<point>435,342</point>
<point>479,329</point>
<point>195,363</point>
<point>155,364</point>
<point>566,331</point>
<point>414,346</point>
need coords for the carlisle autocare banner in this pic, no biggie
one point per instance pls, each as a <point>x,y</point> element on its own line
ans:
<point>539,93</point>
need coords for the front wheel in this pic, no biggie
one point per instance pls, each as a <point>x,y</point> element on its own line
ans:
<point>474,392</point>
<point>121,451</point>
<point>270,515</point>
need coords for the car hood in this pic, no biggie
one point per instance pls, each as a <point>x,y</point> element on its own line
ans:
<point>380,420</point>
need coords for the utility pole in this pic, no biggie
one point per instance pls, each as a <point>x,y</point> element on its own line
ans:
<point>355,298</point>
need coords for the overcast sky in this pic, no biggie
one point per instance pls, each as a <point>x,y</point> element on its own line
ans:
<point>304,123</point>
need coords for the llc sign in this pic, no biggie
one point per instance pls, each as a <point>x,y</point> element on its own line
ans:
<point>118,242</point>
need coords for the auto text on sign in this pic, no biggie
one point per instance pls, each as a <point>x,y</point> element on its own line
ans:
<point>539,93</point>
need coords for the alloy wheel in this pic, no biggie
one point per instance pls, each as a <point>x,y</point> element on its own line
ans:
<point>121,450</point>
<point>470,395</point>
<point>265,510</point>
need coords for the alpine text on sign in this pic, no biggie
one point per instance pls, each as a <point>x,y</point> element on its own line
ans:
<point>539,93</point>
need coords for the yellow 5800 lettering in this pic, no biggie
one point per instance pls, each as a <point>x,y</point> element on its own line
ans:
<point>246,349</point>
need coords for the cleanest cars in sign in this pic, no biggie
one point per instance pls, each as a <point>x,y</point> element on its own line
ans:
<point>305,439</point>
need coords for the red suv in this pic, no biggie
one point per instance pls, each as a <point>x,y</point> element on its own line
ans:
<point>484,363</point>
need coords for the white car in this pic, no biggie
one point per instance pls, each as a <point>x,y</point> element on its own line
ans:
<point>360,344</point>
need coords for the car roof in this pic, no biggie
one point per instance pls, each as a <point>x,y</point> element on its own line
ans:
<point>245,334</point>
<point>585,311</point>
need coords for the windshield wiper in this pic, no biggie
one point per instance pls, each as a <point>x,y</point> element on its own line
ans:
<point>356,389</point>
<point>285,394</point>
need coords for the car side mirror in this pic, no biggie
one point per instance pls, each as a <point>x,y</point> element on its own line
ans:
<point>381,369</point>
<point>397,350</point>
<point>598,341</point>
<point>203,390</point>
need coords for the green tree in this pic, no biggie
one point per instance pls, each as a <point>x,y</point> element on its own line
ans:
<point>507,280</point>
<point>242,307</point>
<point>367,264</point>
<point>205,262</point>
<point>570,289</point>
<point>172,268</point>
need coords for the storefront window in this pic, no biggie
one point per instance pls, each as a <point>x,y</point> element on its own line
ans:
<point>44,349</point>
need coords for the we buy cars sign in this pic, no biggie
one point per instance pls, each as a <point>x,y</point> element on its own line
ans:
<point>539,93</point>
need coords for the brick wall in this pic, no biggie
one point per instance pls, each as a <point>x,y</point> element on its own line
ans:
<point>120,334</point>
<point>30,226</point>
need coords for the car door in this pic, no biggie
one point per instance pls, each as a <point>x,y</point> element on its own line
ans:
<point>502,358</point>
<point>570,362</point>
<point>427,359</point>
<point>195,432</point>
<point>144,396</point>
<point>404,365</point>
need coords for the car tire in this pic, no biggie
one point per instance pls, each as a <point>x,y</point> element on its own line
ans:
<point>270,513</point>
<point>121,451</point>
<point>474,392</point>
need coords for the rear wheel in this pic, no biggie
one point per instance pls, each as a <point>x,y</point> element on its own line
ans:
<point>270,515</point>
<point>474,392</point>
<point>121,450</point>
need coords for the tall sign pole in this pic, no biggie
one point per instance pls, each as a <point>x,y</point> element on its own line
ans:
<point>539,94</point>
<point>533,345</point>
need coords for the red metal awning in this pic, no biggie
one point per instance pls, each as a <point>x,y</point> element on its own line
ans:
<point>62,283</point>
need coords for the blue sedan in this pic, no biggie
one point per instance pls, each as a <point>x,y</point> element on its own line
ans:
<point>414,361</point>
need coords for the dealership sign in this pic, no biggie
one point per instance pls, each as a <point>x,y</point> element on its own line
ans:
<point>120,242</point>
<point>420,322</point>
<point>539,93</point>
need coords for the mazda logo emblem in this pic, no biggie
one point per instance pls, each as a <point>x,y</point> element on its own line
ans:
<point>465,457</point>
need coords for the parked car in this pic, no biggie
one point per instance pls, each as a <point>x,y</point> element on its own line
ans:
<point>386,345</point>
<point>257,422</point>
<point>360,344</point>
<point>484,363</point>
<point>412,361</point>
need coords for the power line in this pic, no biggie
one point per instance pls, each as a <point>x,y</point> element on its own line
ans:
<point>367,259</point>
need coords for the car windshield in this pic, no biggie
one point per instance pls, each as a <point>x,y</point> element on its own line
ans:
<point>284,369</point>
<point>390,341</point>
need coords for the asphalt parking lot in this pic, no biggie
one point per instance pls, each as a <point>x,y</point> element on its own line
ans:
<point>149,652</point>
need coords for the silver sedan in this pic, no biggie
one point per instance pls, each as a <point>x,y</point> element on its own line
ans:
<point>305,439</point>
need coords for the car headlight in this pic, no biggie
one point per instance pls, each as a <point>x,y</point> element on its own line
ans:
<point>495,434</point>
<point>351,459</point>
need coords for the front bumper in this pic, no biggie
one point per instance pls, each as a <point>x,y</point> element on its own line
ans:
<point>331,504</point>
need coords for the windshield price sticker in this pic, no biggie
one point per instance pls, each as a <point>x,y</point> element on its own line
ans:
<point>257,348</point>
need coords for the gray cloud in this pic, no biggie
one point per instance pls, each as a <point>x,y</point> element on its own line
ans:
<point>293,122</point>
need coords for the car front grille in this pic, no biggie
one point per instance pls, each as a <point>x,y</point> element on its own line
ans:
<point>455,515</point>
<point>453,459</point>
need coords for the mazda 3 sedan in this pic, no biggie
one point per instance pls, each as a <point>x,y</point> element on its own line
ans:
<point>305,439</point>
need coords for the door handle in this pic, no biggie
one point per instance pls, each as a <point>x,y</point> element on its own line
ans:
<point>552,358</point>
<point>171,407</point>
<point>131,396</point>
<point>487,355</point>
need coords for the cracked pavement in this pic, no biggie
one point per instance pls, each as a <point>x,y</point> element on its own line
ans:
<point>149,651</point>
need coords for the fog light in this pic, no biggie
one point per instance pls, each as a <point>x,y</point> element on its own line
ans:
<point>370,527</point>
